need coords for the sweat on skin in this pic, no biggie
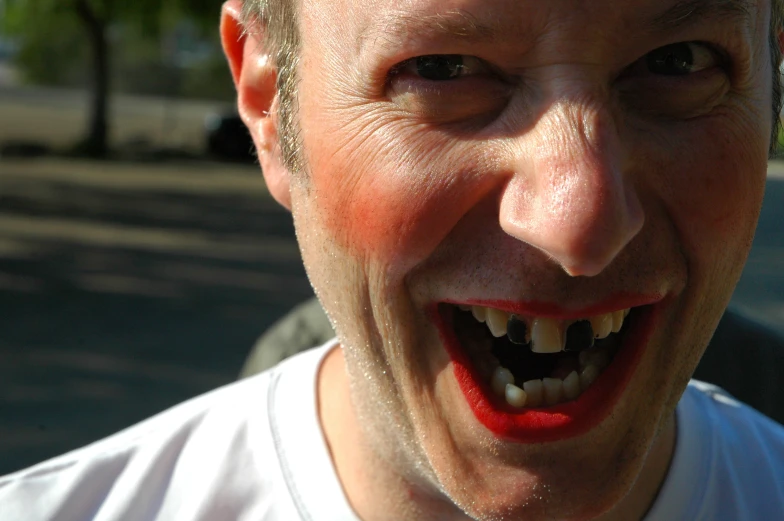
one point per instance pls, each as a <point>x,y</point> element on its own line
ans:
<point>554,161</point>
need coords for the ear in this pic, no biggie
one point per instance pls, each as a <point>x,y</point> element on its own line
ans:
<point>254,74</point>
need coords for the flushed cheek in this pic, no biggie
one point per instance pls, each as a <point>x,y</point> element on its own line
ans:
<point>395,212</point>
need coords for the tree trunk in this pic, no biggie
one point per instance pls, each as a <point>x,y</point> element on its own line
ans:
<point>96,141</point>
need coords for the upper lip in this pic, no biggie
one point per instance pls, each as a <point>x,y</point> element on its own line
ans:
<point>560,311</point>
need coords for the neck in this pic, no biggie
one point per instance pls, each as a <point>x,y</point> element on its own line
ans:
<point>374,489</point>
<point>645,490</point>
<point>377,492</point>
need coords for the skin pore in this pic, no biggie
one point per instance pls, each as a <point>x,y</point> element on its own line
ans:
<point>563,161</point>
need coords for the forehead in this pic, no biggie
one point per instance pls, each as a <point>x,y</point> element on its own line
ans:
<point>362,24</point>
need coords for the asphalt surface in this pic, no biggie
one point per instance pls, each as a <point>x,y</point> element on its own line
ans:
<point>760,292</point>
<point>127,288</point>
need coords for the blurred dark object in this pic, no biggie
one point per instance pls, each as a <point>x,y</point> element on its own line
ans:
<point>303,327</point>
<point>744,357</point>
<point>27,149</point>
<point>228,138</point>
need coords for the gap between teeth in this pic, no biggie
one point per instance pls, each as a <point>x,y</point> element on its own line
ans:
<point>547,335</point>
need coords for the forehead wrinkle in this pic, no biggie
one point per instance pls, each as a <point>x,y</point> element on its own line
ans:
<point>689,12</point>
<point>459,24</point>
<point>454,23</point>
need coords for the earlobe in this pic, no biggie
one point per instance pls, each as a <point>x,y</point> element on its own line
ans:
<point>255,76</point>
<point>276,175</point>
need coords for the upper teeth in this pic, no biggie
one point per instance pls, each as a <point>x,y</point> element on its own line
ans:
<point>496,322</point>
<point>548,335</point>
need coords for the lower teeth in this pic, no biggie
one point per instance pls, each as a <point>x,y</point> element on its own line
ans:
<point>568,374</point>
<point>554,389</point>
<point>548,391</point>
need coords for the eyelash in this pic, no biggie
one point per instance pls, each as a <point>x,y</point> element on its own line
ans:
<point>722,61</point>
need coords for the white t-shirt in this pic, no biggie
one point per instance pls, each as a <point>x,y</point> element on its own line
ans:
<point>254,451</point>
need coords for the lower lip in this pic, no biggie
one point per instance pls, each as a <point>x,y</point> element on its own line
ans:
<point>561,421</point>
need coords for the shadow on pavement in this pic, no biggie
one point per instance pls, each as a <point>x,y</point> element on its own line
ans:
<point>120,297</point>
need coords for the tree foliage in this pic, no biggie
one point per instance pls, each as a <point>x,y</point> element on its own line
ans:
<point>37,22</point>
<point>21,16</point>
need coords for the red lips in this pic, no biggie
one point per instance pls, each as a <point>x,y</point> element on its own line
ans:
<point>567,419</point>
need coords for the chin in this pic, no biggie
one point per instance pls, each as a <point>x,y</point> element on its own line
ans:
<point>558,457</point>
<point>533,498</point>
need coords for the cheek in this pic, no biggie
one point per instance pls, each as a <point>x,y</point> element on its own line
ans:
<point>715,189</point>
<point>386,217</point>
<point>392,210</point>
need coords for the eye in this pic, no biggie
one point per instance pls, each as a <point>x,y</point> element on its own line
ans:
<point>680,81</point>
<point>449,88</point>
<point>680,59</point>
<point>443,67</point>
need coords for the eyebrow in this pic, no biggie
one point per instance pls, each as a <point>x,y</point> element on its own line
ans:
<point>689,12</point>
<point>455,23</point>
<point>462,25</point>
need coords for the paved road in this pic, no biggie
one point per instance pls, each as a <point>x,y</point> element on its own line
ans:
<point>125,289</point>
<point>761,289</point>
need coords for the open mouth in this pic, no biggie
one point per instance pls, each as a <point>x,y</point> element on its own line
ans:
<point>539,378</point>
<point>533,362</point>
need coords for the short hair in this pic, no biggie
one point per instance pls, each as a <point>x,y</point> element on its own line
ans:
<point>282,40</point>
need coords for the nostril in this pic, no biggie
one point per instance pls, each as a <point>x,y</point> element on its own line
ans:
<point>582,233</point>
<point>589,249</point>
<point>573,194</point>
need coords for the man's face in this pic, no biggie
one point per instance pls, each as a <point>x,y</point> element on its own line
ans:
<point>560,161</point>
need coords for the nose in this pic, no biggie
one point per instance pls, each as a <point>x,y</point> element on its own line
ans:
<point>570,195</point>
